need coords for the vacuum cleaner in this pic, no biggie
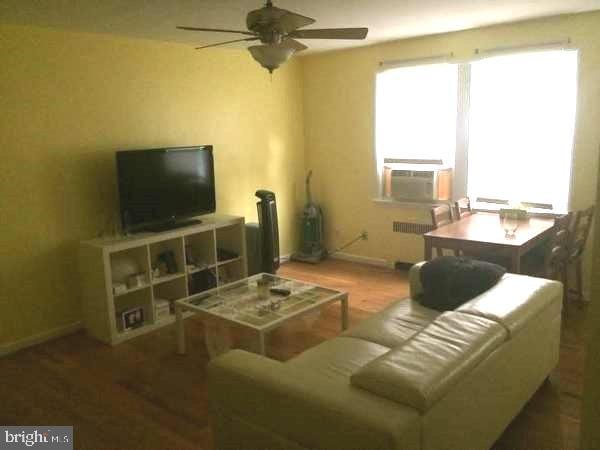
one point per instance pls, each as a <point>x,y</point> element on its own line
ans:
<point>311,248</point>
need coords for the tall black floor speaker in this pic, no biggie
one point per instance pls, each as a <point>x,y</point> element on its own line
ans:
<point>269,231</point>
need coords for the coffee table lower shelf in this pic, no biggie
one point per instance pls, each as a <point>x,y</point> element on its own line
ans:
<point>238,304</point>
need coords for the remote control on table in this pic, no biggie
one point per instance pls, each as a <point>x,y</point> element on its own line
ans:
<point>280,291</point>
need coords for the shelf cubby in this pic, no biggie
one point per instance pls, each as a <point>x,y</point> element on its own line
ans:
<point>201,281</point>
<point>230,271</point>
<point>231,240</point>
<point>171,290</point>
<point>139,298</point>
<point>200,251</point>
<point>126,263</point>
<point>175,246</point>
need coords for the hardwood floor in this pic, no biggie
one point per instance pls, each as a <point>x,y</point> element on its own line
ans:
<point>142,395</point>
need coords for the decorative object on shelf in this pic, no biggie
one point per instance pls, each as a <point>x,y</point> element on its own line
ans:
<point>119,288</point>
<point>268,306</point>
<point>516,213</point>
<point>190,258</point>
<point>262,289</point>
<point>156,271</point>
<point>196,267</point>
<point>132,318</point>
<point>136,280</point>
<point>162,309</point>
<point>122,266</point>
<point>275,304</point>
<point>201,281</point>
<point>168,258</point>
<point>276,29</point>
<point>510,223</point>
<point>224,254</point>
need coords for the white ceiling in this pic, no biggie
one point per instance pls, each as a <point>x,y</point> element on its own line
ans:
<point>386,19</point>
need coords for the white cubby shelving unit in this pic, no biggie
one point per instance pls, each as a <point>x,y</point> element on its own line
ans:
<point>196,250</point>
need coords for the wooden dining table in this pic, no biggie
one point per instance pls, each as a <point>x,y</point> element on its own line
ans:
<point>482,233</point>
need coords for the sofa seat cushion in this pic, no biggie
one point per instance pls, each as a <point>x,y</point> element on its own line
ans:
<point>338,358</point>
<point>395,324</point>
<point>424,369</point>
<point>515,300</point>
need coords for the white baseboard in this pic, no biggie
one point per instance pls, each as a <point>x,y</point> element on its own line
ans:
<point>363,260</point>
<point>12,347</point>
<point>285,258</point>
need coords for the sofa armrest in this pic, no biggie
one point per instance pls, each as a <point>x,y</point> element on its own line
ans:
<point>301,407</point>
<point>414,279</point>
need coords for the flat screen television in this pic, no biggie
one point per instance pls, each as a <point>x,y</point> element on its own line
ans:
<point>160,187</point>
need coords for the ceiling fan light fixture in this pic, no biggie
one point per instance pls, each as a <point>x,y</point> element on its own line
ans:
<point>271,56</point>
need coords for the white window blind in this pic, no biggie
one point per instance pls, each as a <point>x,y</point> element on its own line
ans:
<point>416,113</point>
<point>522,119</point>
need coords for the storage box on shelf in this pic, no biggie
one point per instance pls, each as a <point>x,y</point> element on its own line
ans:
<point>147,269</point>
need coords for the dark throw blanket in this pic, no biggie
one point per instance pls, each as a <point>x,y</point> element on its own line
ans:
<point>450,281</point>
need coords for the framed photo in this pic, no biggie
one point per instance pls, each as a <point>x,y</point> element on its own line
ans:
<point>132,318</point>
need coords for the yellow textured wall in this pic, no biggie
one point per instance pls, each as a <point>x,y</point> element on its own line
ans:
<point>70,100</point>
<point>339,125</point>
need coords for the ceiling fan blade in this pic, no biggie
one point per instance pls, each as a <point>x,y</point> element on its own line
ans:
<point>291,21</point>
<point>248,33</point>
<point>292,43</point>
<point>228,42</point>
<point>331,33</point>
<point>272,18</point>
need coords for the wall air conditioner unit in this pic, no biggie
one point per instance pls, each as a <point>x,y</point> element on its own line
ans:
<point>416,181</point>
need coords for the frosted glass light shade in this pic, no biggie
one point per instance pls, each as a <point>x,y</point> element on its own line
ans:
<point>271,56</point>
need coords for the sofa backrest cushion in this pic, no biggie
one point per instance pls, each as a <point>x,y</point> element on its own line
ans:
<point>395,325</point>
<point>420,371</point>
<point>414,280</point>
<point>515,300</point>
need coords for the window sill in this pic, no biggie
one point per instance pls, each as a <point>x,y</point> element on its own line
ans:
<point>482,207</point>
<point>406,203</point>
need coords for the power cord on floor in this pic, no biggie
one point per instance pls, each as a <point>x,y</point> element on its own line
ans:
<point>363,236</point>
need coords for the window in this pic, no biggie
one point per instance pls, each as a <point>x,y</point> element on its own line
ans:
<point>513,117</point>
<point>416,112</point>
<point>522,118</point>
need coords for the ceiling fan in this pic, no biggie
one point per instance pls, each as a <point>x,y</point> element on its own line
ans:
<point>276,29</point>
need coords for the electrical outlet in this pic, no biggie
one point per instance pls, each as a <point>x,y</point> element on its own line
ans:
<point>364,235</point>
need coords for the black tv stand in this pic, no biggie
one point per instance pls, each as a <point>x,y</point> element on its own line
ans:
<point>172,225</point>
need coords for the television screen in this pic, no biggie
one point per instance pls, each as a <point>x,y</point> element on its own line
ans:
<point>164,185</point>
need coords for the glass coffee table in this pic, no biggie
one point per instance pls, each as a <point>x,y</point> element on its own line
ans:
<point>251,305</point>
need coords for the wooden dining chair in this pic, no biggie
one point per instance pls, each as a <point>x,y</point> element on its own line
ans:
<point>578,238</point>
<point>557,252</point>
<point>462,208</point>
<point>440,216</point>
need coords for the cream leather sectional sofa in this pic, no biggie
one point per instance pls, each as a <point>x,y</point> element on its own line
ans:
<point>406,378</point>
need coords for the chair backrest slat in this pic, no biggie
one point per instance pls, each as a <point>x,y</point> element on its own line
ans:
<point>462,208</point>
<point>580,232</point>
<point>441,215</point>
<point>558,248</point>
